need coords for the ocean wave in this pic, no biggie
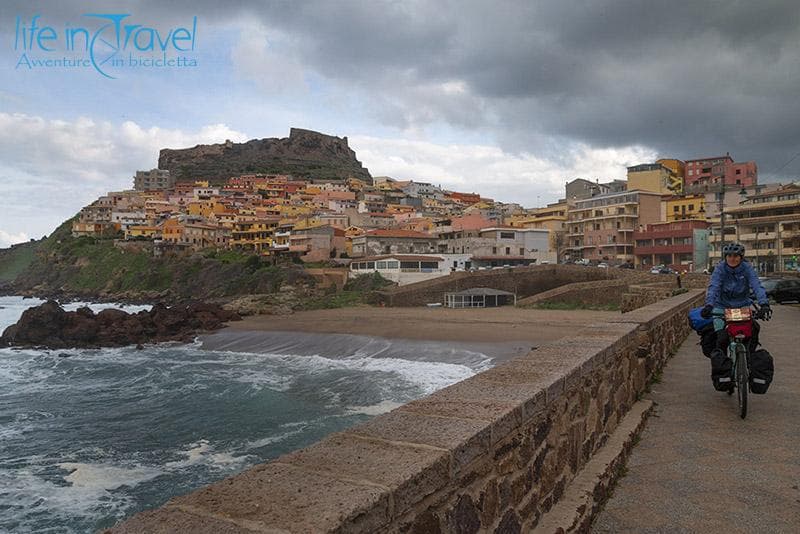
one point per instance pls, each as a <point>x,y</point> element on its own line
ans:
<point>84,493</point>
<point>203,453</point>
<point>374,409</point>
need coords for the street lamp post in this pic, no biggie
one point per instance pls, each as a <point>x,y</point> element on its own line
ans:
<point>722,189</point>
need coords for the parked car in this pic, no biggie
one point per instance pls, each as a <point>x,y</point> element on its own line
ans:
<point>626,265</point>
<point>782,290</point>
<point>603,265</point>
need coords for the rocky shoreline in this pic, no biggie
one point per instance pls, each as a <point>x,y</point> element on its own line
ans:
<point>50,326</point>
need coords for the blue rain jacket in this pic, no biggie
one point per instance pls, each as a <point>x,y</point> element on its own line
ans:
<point>730,288</point>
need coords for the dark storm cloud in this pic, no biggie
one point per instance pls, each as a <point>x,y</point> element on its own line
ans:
<point>689,79</point>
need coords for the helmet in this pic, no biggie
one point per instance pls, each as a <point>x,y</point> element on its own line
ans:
<point>733,248</point>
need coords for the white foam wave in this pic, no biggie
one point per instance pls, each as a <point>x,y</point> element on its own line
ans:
<point>96,479</point>
<point>375,409</point>
<point>270,440</point>
<point>203,453</point>
<point>87,494</point>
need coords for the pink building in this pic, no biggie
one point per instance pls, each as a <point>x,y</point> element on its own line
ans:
<point>722,169</point>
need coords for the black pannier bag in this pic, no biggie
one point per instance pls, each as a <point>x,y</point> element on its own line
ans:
<point>761,370</point>
<point>708,340</point>
<point>721,370</point>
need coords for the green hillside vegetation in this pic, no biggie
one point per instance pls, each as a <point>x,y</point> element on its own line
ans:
<point>93,267</point>
<point>357,291</point>
<point>14,260</point>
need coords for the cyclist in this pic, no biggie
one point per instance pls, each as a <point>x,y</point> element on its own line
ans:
<point>731,285</point>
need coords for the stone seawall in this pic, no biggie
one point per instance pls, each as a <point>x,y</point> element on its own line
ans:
<point>582,294</point>
<point>490,454</point>
<point>524,281</point>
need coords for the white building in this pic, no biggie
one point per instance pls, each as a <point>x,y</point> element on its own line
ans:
<point>401,268</point>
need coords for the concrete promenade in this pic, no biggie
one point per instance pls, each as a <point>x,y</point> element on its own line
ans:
<point>699,467</point>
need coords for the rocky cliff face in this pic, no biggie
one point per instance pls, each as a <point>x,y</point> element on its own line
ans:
<point>303,154</point>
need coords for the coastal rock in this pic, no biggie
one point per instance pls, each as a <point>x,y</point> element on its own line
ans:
<point>48,325</point>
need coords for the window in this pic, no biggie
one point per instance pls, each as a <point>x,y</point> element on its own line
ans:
<point>738,171</point>
<point>429,265</point>
<point>381,265</point>
<point>506,235</point>
<point>370,265</point>
<point>392,264</point>
<point>691,207</point>
<point>508,251</point>
<point>494,250</point>
<point>521,251</point>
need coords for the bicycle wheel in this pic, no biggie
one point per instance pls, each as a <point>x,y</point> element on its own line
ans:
<point>741,379</point>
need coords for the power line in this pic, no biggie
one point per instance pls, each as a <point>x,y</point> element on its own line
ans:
<point>784,165</point>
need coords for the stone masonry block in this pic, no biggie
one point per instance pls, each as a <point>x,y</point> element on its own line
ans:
<point>466,439</point>
<point>284,497</point>
<point>409,472</point>
<point>169,520</point>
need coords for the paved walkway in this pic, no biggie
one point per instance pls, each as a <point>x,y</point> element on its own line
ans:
<point>699,467</point>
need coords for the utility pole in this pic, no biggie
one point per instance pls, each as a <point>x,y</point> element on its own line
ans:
<point>722,215</point>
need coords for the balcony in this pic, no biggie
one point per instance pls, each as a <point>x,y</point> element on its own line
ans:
<point>606,245</point>
<point>665,249</point>
<point>299,248</point>
<point>790,233</point>
<point>765,236</point>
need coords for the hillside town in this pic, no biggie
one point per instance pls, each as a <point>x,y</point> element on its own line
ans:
<point>668,216</point>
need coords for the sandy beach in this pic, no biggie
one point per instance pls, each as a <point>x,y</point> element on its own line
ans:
<point>440,324</point>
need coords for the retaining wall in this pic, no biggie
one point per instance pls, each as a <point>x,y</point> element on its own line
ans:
<point>582,294</point>
<point>489,454</point>
<point>524,281</point>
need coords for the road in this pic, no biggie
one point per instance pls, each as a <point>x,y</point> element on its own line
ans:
<point>700,468</point>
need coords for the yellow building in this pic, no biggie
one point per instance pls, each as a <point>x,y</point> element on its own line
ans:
<point>149,232</point>
<point>250,233</point>
<point>683,207</point>
<point>676,166</point>
<point>654,177</point>
<point>172,230</point>
<point>294,210</point>
<point>552,217</point>
<point>205,208</point>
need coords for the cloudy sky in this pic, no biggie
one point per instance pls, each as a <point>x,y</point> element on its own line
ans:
<point>509,99</point>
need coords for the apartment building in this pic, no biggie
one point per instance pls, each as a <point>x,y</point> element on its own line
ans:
<point>153,179</point>
<point>654,177</point>
<point>720,170</point>
<point>679,208</point>
<point>552,217</point>
<point>381,242</point>
<point>768,225</point>
<point>601,228</point>
<point>681,245</point>
<point>498,246</point>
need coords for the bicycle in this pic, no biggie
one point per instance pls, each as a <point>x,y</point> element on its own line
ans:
<point>739,326</point>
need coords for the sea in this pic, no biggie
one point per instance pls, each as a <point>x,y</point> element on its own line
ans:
<point>90,437</point>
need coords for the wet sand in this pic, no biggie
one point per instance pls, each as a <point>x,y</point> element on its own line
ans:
<point>498,325</point>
